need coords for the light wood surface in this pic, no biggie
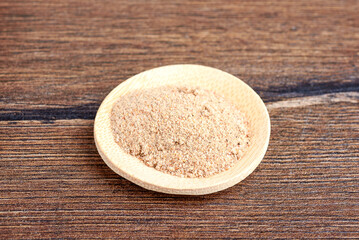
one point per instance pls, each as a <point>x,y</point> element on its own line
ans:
<point>59,60</point>
<point>233,89</point>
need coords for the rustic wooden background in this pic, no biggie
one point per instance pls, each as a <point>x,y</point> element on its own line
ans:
<point>59,59</point>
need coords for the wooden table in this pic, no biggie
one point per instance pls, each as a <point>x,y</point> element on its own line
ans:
<point>59,59</point>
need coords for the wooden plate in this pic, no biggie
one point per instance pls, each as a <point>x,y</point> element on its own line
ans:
<point>213,79</point>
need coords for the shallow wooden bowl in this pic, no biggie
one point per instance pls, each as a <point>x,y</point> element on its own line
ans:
<point>221,82</point>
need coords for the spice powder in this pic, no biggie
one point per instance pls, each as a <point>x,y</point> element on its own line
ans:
<point>183,131</point>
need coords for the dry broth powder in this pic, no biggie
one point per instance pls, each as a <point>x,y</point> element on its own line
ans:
<point>182,131</point>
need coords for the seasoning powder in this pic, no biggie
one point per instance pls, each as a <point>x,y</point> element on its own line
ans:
<point>186,132</point>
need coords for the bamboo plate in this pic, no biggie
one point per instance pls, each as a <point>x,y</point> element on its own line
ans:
<point>213,79</point>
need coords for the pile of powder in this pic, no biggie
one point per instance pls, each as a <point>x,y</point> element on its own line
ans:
<point>186,132</point>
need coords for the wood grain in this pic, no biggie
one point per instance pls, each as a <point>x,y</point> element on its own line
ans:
<point>59,59</point>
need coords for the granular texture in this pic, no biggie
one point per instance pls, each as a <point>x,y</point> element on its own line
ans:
<point>186,132</point>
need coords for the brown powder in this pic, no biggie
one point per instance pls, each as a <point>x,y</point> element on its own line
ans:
<point>182,131</point>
